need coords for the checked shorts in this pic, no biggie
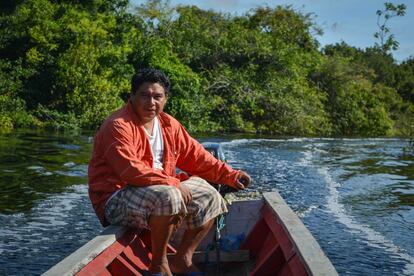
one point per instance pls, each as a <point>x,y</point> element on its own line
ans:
<point>133,206</point>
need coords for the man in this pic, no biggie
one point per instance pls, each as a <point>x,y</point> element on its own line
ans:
<point>132,179</point>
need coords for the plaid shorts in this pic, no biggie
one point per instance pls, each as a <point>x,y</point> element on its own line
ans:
<point>133,206</point>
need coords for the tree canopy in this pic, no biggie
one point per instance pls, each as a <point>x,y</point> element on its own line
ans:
<point>68,64</point>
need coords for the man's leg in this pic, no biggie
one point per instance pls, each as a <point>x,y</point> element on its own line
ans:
<point>158,208</point>
<point>161,230</point>
<point>206,205</point>
<point>182,262</point>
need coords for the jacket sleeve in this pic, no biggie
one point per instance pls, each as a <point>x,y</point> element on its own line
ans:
<point>196,160</point>
<point>123,160</point>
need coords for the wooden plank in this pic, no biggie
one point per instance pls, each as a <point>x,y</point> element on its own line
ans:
<point>308,249</point>
<point>120,266</point>
<point>242,216</point>
<point>137,254</point>
<point>81,257</point>
<point>105,272</point>
<point>225,257</point>
<point>255,239</point>
<point>268,246</point>
<point>296,267</point>
<point>102,261</point>
<point>271,263</point>
<point>279,233</point>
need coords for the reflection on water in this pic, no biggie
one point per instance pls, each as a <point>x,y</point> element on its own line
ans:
<point>355,195</point>
<point>35,164</point>
<point>44,209</point>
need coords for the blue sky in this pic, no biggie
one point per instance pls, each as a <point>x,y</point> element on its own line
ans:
<point>353,21</point>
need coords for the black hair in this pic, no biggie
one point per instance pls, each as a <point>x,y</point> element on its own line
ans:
<point>150,75</point>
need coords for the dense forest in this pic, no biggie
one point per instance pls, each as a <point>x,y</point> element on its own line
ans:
<point>67,64</point>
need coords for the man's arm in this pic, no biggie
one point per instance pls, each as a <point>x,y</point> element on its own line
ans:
<point>196,160</point>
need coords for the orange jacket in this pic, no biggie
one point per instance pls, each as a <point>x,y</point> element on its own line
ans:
<point>122,155</point>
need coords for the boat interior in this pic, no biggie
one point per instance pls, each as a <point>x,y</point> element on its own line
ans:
<point>259,237</point>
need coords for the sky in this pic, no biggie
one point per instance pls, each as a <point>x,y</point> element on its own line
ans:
<point>351,21</point>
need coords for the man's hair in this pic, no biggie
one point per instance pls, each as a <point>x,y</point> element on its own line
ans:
<point>149,75</point>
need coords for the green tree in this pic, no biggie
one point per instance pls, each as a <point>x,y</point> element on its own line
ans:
<point>91,69</point>
<point>74,58</point>
<point>68,63</point>
<point>354,103</point>
<point>242,59</point>
<point>386,39</point>
<point>404,79</point>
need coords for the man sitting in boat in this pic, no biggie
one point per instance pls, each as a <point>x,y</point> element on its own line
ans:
<point>133,181</point>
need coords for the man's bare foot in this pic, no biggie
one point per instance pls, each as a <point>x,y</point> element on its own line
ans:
<point>182,266</point>
<point>162,269</point>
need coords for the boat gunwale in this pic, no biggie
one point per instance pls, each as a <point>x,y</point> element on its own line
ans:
<point>305,244</point>
<point>76,261</point>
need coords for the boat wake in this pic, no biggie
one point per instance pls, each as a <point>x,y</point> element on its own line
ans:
<point>371,237</point>
<point>313,149</point>
<point>304,213</point>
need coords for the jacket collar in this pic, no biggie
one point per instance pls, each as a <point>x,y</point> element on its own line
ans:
<point>131,111</point>
<point>164,119</point>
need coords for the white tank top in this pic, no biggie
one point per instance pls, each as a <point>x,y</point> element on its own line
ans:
<point>157,145</point>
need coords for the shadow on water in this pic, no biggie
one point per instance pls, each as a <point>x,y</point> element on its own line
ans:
<point>34,164</point>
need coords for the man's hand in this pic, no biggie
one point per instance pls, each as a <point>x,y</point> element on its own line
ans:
<point>243,180</point>
<point>186,194</point>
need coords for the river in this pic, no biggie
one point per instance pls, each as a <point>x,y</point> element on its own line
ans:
<point>356,196</point>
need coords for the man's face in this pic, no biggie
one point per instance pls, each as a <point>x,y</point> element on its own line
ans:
<point>149,101</point>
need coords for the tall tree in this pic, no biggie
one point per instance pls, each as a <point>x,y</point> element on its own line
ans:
<point>386,39</point>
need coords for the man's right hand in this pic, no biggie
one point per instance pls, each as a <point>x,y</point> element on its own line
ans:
<point>243,180</point>
<point>186,194</point>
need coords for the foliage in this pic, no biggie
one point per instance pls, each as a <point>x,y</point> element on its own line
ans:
<point>68,63</point>
<point>12,108</point>
<point>405,122</point>
<point>382,70</point>
<point>73,56</point>
<point>386,39</point>
<point>53,119</point>
<point>92,66</point>
<point>404,79</point>
<point>352,104</point>
<point>254,79</point>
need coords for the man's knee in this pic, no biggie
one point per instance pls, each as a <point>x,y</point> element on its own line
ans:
<point>214,197</point>
<point>208,191</point>
<point>168,201</point>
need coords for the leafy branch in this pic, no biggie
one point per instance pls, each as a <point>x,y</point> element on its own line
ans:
<point>386,39</point>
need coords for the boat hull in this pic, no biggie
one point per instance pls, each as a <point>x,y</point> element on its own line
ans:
<point>276,243</point>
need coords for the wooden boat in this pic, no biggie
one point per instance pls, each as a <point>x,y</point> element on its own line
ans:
<point>276,243</point>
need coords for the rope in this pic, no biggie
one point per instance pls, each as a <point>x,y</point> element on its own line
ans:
<point>220,224</point>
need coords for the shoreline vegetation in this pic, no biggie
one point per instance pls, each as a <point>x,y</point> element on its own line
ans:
<point>67,65</point>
